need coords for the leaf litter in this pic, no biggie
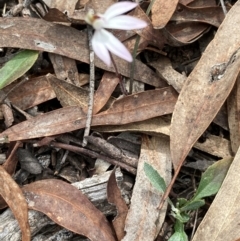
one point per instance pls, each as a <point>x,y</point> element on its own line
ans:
<point>182,90</point>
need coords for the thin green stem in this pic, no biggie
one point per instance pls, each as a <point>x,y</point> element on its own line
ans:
<point>132,69</point>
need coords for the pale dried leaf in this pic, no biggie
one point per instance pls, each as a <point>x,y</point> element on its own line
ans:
<point>144,220</point>
<point>233,104</point>
<point>162,12</point>
<point>207,87</point>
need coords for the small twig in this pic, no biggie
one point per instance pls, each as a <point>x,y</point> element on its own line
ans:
<point>80,150</point>
<point>166,193</point>
<point>194,225</point>
<point>91,87</point>
<point>223,7</point>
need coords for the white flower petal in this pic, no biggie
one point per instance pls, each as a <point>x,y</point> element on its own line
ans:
<point>125,22</point>
<point>99,48</point>
<point>119,8</point>
<point>115,46</point>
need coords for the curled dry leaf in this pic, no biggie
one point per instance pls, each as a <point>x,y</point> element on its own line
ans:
<point>115,197</point>
<point>210,15</point>
<point>13,196</point>
<point>132,108</point>
<point>206,88</point>
<point>67,206</point>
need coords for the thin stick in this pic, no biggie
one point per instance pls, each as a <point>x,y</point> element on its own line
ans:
<point>223,7</point>
<point>80,150</point>
<point>91,87</point>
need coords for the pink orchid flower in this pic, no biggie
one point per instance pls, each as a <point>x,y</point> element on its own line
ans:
<point>103,41</point>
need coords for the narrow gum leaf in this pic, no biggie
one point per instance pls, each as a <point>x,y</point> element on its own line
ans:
<point>67,206</point>
<point>17,66</point>
<point>13,196</point>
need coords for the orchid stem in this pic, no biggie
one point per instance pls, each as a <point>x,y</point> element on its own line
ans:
<point>134,54</point>
<point>121,84</point>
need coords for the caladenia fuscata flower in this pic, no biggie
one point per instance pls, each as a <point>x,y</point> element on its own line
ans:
<point>103,41</point>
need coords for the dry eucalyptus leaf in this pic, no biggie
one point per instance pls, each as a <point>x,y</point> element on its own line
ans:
<point>210,15</point>
<point>68,94</point>
<point>162,12</point>
<point>233,104</point>
<point>114,197</point>
<point>30,93</point>
<point>144,219</point>
<point>132,108</point>
<point>13,196</point>
<point>67,206</point>
<point>67,7</point>
<point>104,91</point>
<point>65,68</point>
<point>206,88</point>
<point>165,70</point>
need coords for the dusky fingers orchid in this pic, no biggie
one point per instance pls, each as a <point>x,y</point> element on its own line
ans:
<point>103,41</point>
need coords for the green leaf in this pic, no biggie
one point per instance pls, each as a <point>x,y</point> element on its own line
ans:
<point>212,179</point>
<point>154,177</point>
<point>179,234</point>
<point>192,205</point>
<point>17,66</point>
<point>180,216</point>
<point>181,202</point>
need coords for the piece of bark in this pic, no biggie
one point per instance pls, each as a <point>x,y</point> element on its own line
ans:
<point>94,188</point>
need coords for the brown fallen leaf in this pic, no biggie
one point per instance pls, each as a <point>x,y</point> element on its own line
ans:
<point>10,165</point>
<point>233,104</point>
<point>162,12</point>
<point>114,197</point>
<point>165,70</point>
<point>206,88</point>
<point>68,94</point>
<point>221,221</point>
<point>12,160</point>
<point>38,34</point>
<point>13,196</point>
<point>68,207</point>
<point>31,93</point>
<point>67,7</point>
<point>132,108</point>
<point>65,68</point>
<point>184,33</point>
<point>104,91</point>
<point>144,220</point>
<point>210,15</point>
